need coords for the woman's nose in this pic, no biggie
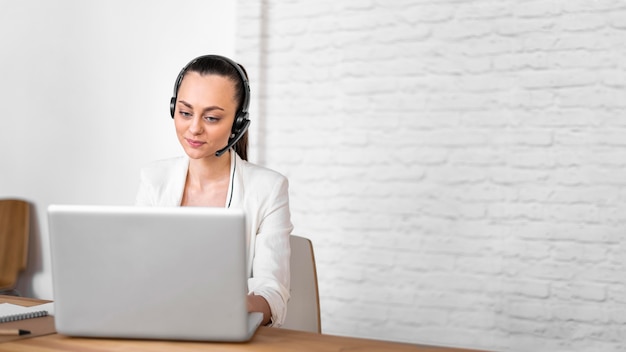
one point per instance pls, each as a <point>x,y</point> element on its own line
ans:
<point>196,126</point>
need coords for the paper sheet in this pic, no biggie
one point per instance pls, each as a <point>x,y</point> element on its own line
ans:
<point>11,309</point>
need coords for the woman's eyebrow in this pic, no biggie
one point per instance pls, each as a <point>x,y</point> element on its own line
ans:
<point>209,108</point>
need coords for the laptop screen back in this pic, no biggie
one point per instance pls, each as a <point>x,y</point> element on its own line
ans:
<point>163,273</point>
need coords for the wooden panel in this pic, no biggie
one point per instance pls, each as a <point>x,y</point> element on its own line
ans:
<point>14,233</point>
<point>266,340</point>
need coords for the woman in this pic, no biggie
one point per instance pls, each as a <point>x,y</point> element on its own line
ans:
<point>210,112</point>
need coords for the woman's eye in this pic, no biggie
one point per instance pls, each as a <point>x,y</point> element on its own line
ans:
<point>185,114</point>
<point>211,118</point>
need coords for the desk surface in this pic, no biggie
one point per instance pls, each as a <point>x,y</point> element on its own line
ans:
<point>266,339</point>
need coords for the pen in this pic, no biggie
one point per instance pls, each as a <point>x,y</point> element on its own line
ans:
<point>13,332</point>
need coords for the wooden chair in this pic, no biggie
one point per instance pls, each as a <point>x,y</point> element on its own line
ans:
<point>303,308</point>
<point>14,233</point>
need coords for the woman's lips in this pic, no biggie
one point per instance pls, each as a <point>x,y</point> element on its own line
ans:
<point>193,143</point>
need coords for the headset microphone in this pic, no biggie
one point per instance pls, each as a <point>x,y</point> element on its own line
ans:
<point>235,138</point>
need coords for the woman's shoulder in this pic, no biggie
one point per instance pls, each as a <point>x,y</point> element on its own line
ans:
<point>168,163</point>
<point>261,174</point>
<point>164,167</point>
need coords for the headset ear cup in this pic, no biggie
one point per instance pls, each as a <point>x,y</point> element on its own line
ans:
<point>172,106</point>
<point>240,122</point>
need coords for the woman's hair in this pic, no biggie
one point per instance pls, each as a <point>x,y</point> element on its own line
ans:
<point>215,65</point>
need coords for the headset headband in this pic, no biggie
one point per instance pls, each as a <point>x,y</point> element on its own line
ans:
<point>245,103</point>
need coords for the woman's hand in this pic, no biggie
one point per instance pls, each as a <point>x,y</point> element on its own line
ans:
<point>259,304</point>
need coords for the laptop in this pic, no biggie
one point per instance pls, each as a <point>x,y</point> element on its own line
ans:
<point>176,273</point>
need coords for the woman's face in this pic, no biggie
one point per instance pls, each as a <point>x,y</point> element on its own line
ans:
<point>204,115</point>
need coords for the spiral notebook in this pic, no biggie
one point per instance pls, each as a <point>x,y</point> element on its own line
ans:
<point>12,312</point>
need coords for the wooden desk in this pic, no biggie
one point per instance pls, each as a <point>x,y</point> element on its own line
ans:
<point>265,340</point>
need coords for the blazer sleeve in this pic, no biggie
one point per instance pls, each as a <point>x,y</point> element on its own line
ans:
<point>270,269</point>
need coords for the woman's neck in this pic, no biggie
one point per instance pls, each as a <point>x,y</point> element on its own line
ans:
<point>203,172</point>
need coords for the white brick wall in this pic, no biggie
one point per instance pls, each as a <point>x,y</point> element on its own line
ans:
<point>459,165</point>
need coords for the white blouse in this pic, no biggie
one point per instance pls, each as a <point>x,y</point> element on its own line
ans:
<point>263,195</point>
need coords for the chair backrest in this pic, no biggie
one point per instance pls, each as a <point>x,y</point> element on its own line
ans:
<point>14,233</point>
<point>303,308</point>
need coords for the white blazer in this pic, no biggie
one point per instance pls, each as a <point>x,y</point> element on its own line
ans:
<point>263,195</point>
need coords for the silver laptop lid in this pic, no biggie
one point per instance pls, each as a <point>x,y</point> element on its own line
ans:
<point>157,273</point>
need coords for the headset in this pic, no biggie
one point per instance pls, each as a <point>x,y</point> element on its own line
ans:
<point>242,122</point>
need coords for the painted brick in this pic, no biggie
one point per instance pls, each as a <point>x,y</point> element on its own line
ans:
<point>460,166</point>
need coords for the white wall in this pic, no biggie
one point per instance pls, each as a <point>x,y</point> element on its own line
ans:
<point>85,89</point>
<point>460,165</point>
